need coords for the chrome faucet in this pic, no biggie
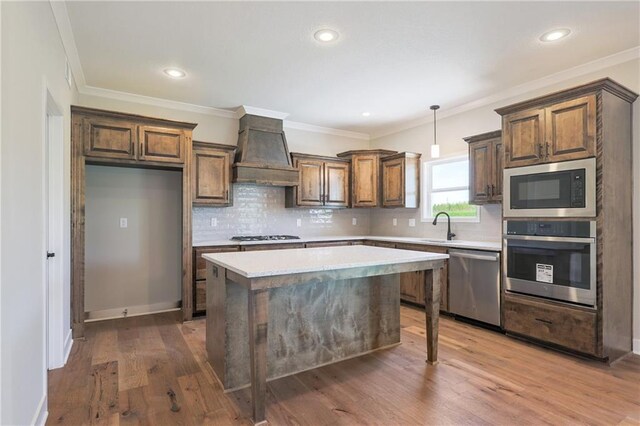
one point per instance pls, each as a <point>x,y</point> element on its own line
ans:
<point>450,234</point>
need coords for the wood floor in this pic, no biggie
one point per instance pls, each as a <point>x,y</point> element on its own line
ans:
<point>153,370</point>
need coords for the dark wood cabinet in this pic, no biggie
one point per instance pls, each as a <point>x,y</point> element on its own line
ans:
<point>161,144</point>
<point>561,131</point>
<point>109,138</point>
<point>323,181</point>
<point>200,275</point>
<point>485,167</point>
<point>211,174</point>
<point>412,283</point>
<point>401,180</point>
<point>563,325</point>
<point>593,119</point>
<point>365,176</point>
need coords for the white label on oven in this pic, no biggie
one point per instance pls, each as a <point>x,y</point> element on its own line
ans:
<point>544,273</point>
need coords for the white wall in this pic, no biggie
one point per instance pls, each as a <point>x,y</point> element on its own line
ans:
<point>452,129</point>
<point>32,58</point>
<point>138,267</point>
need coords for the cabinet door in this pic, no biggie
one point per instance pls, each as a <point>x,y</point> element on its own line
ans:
<point>161,144</point>
<point>497,163</point>
<point>571,129</point>
<point>412,287</point>
<point>480,156</point>
<point>211,177</point>
<point>336,184</point>
<point>393,183</point>
<point>310,187</point>
<point>365,181</point>
<point>109,138</point>
<point>523,138</point>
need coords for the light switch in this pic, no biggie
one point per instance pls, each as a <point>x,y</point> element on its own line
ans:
<point>123,222</point>
<point>214,222</point>
<point>299,223</point>
<point>354,221</point>
<point>412,222</point>
<point>395,222</point>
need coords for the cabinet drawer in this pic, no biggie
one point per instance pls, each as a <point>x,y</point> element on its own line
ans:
<point>200,296</point>
<point>200,265</point>
<point>572,328</point>
<point>328,244</point>
<point>272,246</point>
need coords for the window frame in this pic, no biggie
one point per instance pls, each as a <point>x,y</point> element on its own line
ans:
<point>427,188</point>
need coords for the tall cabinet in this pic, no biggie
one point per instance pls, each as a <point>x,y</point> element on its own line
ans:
<point>592,120</point>
<point>486,163</point>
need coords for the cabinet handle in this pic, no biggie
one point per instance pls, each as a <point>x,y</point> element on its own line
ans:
<point>493,190</point>
<point>547,150</point>
<point>489,190</point>
<point>544,321</point>
<point>540,153</point>
<point>226,194</point>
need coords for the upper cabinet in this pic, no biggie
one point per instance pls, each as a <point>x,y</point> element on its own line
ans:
<point>365,176</point>
<point>211,174</point>
<point>323,181</point>
<point>486,157</point>
<point>559,130</point>
<point>401,180</point>
<point>119,137</point>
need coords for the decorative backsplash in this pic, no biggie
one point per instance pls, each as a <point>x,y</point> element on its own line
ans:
<point>259,210</point>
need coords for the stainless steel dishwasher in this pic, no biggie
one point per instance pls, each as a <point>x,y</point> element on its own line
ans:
<point>474,285</point>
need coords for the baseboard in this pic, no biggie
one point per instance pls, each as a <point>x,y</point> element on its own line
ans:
<point>68,344</point>
<point>636,346</point>
<point>41,414</point>
<point>132,311</point>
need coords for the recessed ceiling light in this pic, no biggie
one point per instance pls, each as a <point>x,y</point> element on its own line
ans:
<point>555,34</point>
<point>326,35</point>
<point>366,114</point>
<point>175,73</point>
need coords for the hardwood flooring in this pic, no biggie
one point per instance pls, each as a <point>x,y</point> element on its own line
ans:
<point>153,370</point>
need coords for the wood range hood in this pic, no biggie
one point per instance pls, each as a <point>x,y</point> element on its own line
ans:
<point>262,157</point>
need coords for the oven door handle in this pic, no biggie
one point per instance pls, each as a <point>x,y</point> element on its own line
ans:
<point>552,239</point>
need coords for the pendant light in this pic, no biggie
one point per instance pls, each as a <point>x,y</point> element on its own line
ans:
<point>435,148</point>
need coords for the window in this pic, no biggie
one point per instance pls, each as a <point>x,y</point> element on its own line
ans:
<point>446,189</point>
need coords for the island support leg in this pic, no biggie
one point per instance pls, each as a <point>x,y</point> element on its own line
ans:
<point>432,311</point>
<point>258,320</point>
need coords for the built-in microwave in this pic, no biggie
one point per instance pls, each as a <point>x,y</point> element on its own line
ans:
<point>566,189</point>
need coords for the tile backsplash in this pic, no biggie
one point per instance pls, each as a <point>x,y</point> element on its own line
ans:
<point>260,210</point>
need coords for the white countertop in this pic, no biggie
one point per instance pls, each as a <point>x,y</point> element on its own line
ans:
<point>461,244</point>
<point>255,264</point>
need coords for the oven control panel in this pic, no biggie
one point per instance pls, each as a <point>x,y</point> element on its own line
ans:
<point>548,228</point>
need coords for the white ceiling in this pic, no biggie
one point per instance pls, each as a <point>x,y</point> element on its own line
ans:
<point>392,59</point>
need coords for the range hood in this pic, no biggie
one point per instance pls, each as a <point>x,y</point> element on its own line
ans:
<point>263,156</point>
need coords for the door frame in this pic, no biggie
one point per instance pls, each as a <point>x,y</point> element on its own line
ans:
<point>56,286</point>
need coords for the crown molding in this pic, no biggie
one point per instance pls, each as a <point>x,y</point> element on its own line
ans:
<point>522,89</point>
<point>61,16</point>
<point>262,112</point>
<point>326,130</point>
<point>158,102</point>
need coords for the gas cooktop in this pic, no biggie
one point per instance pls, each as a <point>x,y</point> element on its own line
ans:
<point>264,237</point>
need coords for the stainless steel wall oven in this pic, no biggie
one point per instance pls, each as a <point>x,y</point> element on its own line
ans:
<point>551,259</point>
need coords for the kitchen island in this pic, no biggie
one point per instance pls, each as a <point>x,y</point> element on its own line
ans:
<point>277,313</point>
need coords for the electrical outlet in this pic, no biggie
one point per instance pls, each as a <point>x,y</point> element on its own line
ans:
<point>354,221</point>
<point>412,222</point>
<point>395,222</point>
<point>123,222</point>
<point>299,223</point>
<point>214,222</point>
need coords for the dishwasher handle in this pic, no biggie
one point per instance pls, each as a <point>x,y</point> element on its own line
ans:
<point>475,255</point>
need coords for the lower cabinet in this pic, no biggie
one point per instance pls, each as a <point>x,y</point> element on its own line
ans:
<point>550,322</point>
<point>200,275</point>
<point>412,283</point>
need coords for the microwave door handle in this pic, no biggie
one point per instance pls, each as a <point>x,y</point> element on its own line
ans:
<point>552,239</point>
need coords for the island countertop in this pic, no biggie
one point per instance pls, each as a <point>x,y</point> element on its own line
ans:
<point>255,264</point>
